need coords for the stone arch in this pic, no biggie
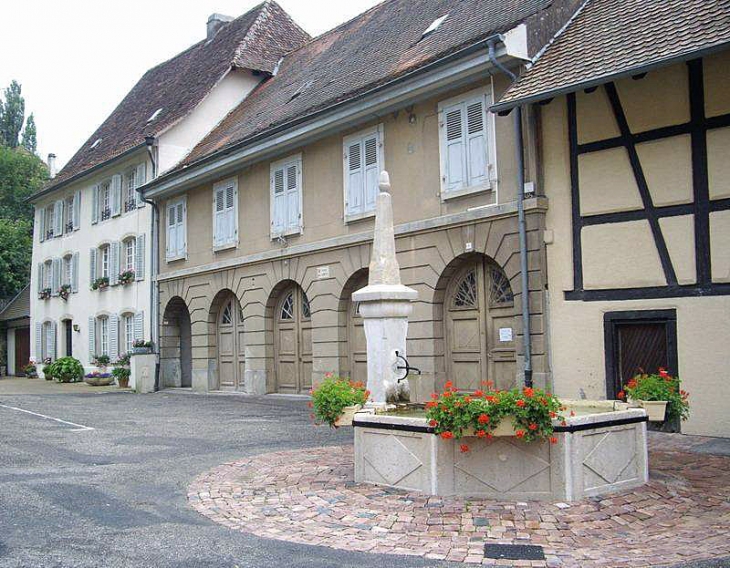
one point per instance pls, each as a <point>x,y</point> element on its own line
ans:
<point>176,363</point>
<point>226,342</point>
<point>353,361</point>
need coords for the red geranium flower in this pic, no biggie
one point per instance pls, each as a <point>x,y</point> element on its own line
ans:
<point>520,403</point>
<point>447,394</point>
<point>467,399</point>
<point>434,396</point>
<point>520,433</point>
<point>432,404</point>
<point>552,414</point>
<point>528,392</point>
<point>483,419</point>
<point>478,393</point>
<point>553,440</point>
<point>489,436</point>
<point>491,399</point>
<point>532,426</point>
<point>447,435</point>
<point>432,423</point>
<point>464,448</point>
<point>449,385</point>
<point>481,433</point>
<point>621,395</point>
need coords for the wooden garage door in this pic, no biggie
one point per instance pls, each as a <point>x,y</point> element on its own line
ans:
<point>479,316</point>
<point>357,346</point>
<point>293,342</point>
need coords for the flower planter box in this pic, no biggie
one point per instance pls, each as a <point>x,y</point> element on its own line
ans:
<point>348,413</point>
<point>656,410</point>
<point>99,381</point>
<point>141,350</point>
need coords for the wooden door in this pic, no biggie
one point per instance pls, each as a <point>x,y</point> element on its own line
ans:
<point>293,342</point>
<point>68,337</point>
<point>479,314</point>
<point>22,349</point>
<point>356,343</point>
<point>228,365</point>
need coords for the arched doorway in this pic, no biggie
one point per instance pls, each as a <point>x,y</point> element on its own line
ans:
<point>356,343</point>
<point>478,319</point>
<point>293,341</point>
<point>176,362</point>
<point>230,341</point>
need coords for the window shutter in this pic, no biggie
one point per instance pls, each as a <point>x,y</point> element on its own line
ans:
<point>372,172</point>
<point>353,165</point>
<point>278,194</point>
<point>140,180</point>
<point>92,338</point>
<point>76,213</point>
<point>95,205</point>
<point>42,223</point>
<point>113,337</point>
<point>75,272</point>
<point>114,263</point>
<point>139,259</point>
<point>139,326</point>
<point>453,128</point>
<point>39,341</point>
<point>58,218</point>
<point>181,232</point>
<point>40,277</point>
<point>171,238</point>
<point>476,122</point>
<point>231,197</point>
<point>220,216</point>
<point>292,197</point>
<point>92,265</point>
<point>55,276</point>
<point>51,345</point>
<point>116,197</point>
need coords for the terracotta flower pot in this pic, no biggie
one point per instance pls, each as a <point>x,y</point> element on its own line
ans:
<point>123,383</point>
<point>348,413</point>
<point>656,410</point>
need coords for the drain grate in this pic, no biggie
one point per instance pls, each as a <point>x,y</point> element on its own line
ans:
<point>514,551</point>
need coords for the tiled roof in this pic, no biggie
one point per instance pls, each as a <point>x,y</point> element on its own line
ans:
<point>18,307</point>
<point>612,37</point>
<point>378,46</point>
<point>255,40</point>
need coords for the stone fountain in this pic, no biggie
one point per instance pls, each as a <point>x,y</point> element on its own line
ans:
<point>601,447</point>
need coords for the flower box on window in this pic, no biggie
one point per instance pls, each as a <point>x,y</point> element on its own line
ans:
<point>69,227</point>
<point>105,214</point>
<point>126,277</point>
<point>101,283</point>
<point>130,205</point>
<point>64,291</point>
<point>49,234</point>
<point>141,347</point>
<point>44,294</point>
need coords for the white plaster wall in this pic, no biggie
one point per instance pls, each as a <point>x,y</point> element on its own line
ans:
<point>179,140</point>
<point>85,303</point>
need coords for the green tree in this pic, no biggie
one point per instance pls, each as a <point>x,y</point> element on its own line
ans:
<point>29,135</point>
<point>21,174</point>
<point>12,115</point>
<point>16,243</point>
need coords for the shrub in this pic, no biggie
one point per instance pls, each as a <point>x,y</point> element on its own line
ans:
<point>66,370</point>
<point>659,386</point>
<point>334,394</point>
<point>453,414</point>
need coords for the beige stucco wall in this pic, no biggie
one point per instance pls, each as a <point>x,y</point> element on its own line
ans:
<point>614,252</point>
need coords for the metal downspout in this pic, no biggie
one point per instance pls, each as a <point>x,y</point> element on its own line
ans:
<point>519,147</point>
<point>154,268</point>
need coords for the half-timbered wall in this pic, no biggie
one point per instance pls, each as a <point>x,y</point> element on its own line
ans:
<point>638,178</point>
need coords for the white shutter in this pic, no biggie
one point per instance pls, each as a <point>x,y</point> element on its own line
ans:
<point>42,223</point>
<point>39,341</point>
<point>292,197</point>
<point>76,213</point>
<point>95,204</point>
<point>171,237</point>
<point>113,337</point>
<point>116,197</point>
<point>140,179</point>
<point>476,131</point>
<point>219,205</point>
<point>40,277</point>
<point>58,218</point>
<point>75,272</point>
<point>278,196</point>
<point>92,265</point>
<point>139,259</point>
<point>181,231</point>
<point>355,182</point>
<point>454,146</point>
<point>372,172</point>
<point>114,263</point>
<point>51,340</point>
<point>92,338</point>
<point>231,198</point>
<point>139,326</point>
<point>55,276</point>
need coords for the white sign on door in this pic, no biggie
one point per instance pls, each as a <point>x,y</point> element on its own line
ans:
<point>505,334</point>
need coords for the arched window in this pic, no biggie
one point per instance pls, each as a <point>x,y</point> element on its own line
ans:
<point>501,291</point>
<point>465,295</point>
<point>287,308</point>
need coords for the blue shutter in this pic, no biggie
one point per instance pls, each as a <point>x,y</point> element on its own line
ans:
<point>139,259</point>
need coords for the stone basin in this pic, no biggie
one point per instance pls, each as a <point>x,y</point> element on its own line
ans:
<point>602,449</point>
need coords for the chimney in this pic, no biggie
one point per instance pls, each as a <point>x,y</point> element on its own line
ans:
<point>215,22</point>
<point>51,165</point>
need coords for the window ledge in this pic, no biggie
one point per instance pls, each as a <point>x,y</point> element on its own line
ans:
<point>226,246</point>
<point>474,190</point>
<point>359,216</point>
<point>177,258</point>
<point>291,233</point>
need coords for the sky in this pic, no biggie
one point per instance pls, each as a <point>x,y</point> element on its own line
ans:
<point>77,59</point>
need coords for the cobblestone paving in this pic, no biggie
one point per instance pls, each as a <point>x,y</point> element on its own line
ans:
<point>309,496</point>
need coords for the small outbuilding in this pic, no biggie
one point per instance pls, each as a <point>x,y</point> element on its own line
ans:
<point>15,331</point>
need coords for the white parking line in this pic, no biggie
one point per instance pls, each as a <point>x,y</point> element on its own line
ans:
<point>78,427</point>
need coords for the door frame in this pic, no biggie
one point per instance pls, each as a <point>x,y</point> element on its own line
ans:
<point>611,322</point>
<point>299,321</point>
<point>237,327</point>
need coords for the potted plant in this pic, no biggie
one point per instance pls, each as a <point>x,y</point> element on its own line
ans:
<point>336,400</point>
<point>100,283</point>
<point>122,374</point>
<point>142,347</point>
<point>98,379</point>
<point>48,369</point>
<point>101,361</point>
<point>126,277</point>
<point>660,394</point>
<point>527,414</point>
<point>44,294</point>
<point>30,370</point>
<point>67,370</point>
<point>64,291</point>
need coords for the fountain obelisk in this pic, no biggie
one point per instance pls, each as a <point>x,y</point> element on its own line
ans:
<point>385,305</point>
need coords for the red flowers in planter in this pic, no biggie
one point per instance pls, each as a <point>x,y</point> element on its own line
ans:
<point>520,403</point>
<point>483,419</point>
<point>464,448</point>
<point>447,435</point>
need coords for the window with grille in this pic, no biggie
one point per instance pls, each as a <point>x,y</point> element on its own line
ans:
<point>286,196</point>
<point>466,143</point>
<point>105,209</point>
<point>104,254</point>
<point>130,193</point>
<point>225,220</point>
<point>50,221</point>
<point>103,335</point>
<point>363,162</point>
<point>68,213</point>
